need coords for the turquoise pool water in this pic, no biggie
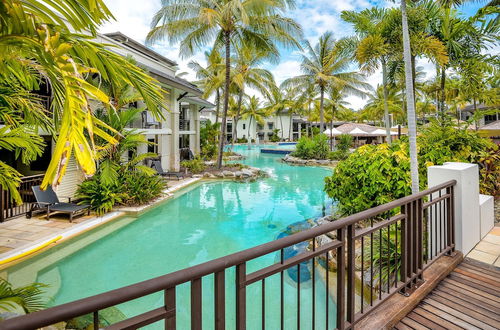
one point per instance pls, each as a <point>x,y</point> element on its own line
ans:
<point>206,221</point>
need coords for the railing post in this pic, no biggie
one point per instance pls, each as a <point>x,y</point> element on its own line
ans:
<point>404,245</point>
<point>241,297</point>
<point>350,274</point>
<point>420,237</point>
<point>341,279</point>
<point>450,219</point>
<point>220,301</point>
<point>196,304</point>
<point>170,320</point>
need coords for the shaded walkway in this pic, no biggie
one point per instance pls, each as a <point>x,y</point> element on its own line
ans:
<point>468,298</point>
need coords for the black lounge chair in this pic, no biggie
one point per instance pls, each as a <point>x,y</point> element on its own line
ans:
<point>156,164</point>
<point>47,200</point>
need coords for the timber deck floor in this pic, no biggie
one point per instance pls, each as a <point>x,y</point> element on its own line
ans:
<point>468,298</point>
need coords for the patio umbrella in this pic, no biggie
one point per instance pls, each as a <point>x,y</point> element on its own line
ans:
<point>357,132</point>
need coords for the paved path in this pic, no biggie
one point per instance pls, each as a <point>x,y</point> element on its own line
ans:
<point>488,250</point>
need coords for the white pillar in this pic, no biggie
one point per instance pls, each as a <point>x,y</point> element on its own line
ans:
<point>466,202</point>
<point>174,138</point>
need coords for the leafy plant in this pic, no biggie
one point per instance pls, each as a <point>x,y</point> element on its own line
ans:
<point>242,140</point>
<point>101,196</point>
<point>130,188</point>
<point>489,172</point>
<point>344,142</point>
<point>312,148</point>
<point>275,137</point>
<point>196,165</point>
<point>386,260</point>
<point>141,188</point>
<point>374,175</point>
<point>209,136</point>
<point>27,298</point>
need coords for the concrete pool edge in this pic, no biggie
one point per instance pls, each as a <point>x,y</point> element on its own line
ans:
<point>10,258</point>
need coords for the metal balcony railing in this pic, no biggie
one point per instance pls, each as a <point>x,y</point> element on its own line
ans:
<point>184,124</point>
<point>377,253</point>
<point>8,208</point>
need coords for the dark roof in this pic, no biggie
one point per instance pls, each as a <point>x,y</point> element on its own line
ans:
<point>120,37</point>
<point>175,81</point>
<point>470,107</point>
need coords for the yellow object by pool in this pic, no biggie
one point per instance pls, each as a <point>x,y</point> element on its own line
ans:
<point>30,251</point>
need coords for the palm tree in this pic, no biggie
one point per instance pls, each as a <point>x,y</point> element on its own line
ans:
<point>211,77</point>
<point>247,74</point>
<point>372,50</point>
<point>381,101</point>
<point>40,44</point>
<point>278,102</point>
<point>326,65</point>
<point>252,110</point>
<point>410,101</point>
<point>26,299</point>
<point>195,23</point>
<point>335,102</point>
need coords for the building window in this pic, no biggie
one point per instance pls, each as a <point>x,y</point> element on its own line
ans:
<point>152,146</point>
<point>260,127</point>
<point>270,125</point>
<point>489,119</point>
<point>244,126</point>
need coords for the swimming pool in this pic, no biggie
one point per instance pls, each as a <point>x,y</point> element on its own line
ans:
<point>203,222</point>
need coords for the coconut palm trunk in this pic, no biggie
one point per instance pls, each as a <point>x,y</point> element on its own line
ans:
<point>238,111</point>
<point>386,107</point>
<point>217,105</point>
<point>443,85</point>
<point>410,101</point>
<point>227,41</point>
<point>248,134</point>
<point>321,110</point>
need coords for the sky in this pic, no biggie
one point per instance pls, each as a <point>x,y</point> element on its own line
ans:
<point>315,16</point>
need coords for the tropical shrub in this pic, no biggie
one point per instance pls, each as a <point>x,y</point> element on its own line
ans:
<point>489,172</point>
<point>312,148</point>
<point>275,137</point>
<point>209,136</point>
<point>26,299</point>
<point>131,188</point>
<point>344,142</point>
<point>101,196</point>
<point>196,165</point>
<point>141,188</point>
<point>374,175</point>
<point>242,140</point>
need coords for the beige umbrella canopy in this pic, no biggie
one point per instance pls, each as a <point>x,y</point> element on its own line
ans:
<point>357,132</point>
<point>333,131</point>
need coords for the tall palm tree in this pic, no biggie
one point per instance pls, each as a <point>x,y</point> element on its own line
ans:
<point>253,110</point>
<point>372,50</point>
<point>41,44</point>
<point>278,102</point>
<point>381,101</point>
<point>195,23</point>
<point>247,73</point>
<point>325,65</point>
<point>410,101</point>
<point>211,77</point>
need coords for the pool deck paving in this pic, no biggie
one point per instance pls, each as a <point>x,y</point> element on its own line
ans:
<point>19,234</point>
<point>488,250</point>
